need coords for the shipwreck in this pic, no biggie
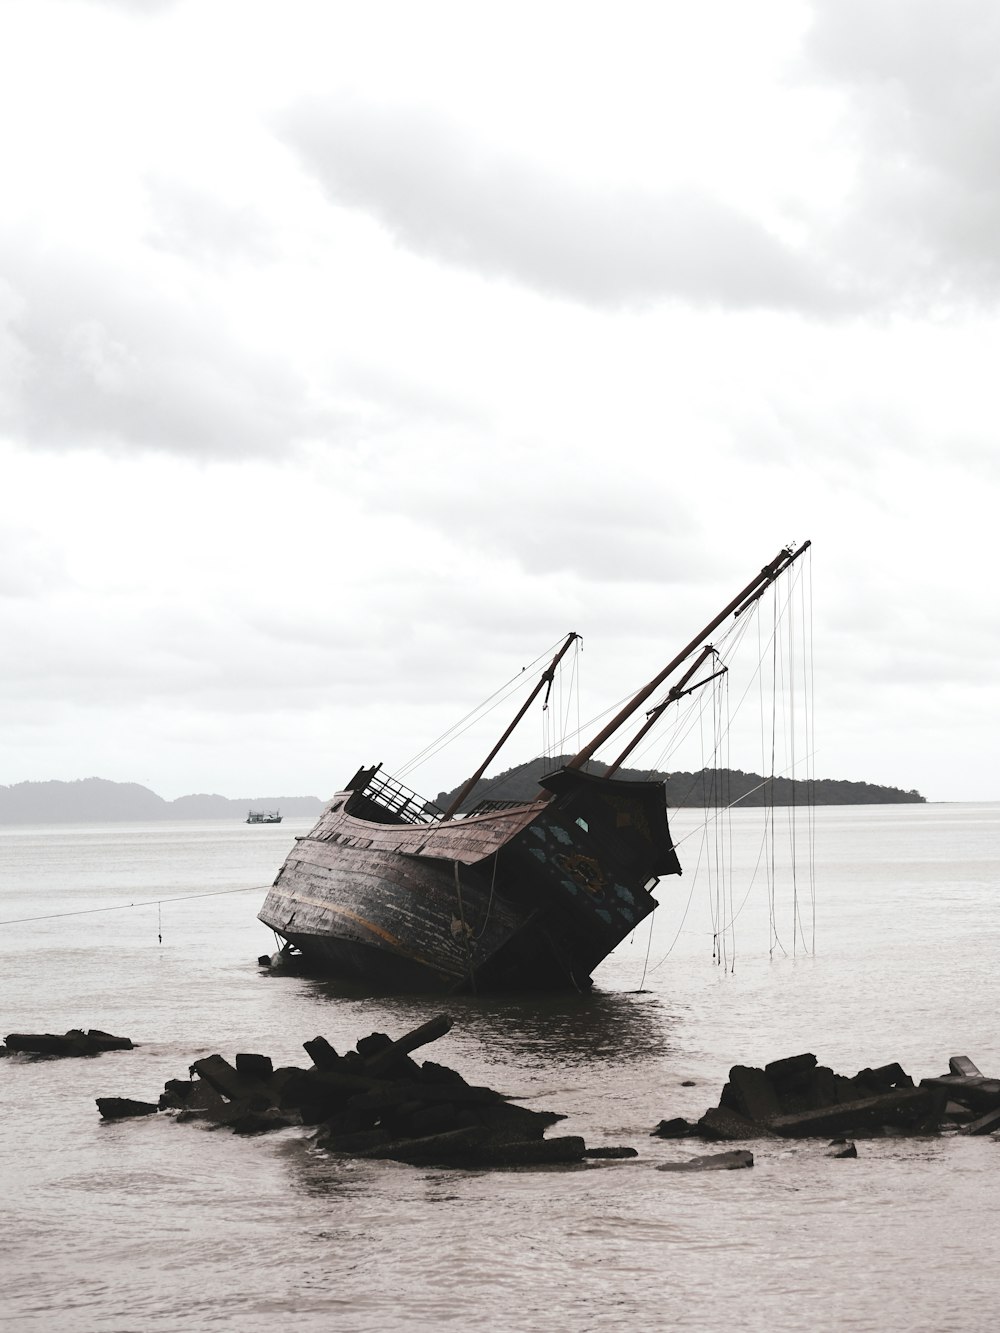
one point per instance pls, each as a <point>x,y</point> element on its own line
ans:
<point>392,890</point>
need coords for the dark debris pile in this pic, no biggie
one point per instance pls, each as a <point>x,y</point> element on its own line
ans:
<point>799,1098</point>
<point>375,1101</point>
<point>76,1042</point>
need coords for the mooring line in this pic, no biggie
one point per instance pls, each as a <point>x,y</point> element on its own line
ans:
<point>121,907</point>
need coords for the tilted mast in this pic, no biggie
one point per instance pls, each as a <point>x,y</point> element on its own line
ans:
<point>676,692</point>
<point>755,589</point>
<point>546,680</point>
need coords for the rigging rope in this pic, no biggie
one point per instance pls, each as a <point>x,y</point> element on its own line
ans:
<point>481,711</point>
<point>785,668</point>
<point>123,907</point>
<point>774,725</point>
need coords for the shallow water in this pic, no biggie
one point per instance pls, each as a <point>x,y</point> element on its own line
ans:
<point>149,1225</point>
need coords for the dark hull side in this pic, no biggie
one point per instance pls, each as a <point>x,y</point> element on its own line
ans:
<point>534,896</point>
<point>386,915</point>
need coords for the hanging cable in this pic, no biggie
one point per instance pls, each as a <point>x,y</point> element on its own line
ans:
<point>645,962</point>
<point>785,672</point>
<point>811,771</point>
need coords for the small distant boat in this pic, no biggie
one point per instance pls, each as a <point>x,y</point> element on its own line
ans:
<point>264,817</point>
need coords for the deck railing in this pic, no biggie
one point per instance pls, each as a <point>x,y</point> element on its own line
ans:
<point>391,795</point>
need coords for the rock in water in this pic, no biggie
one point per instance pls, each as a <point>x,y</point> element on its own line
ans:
<point>722,1161</point>
<point>119,1108</point>
<point>842,1148</point>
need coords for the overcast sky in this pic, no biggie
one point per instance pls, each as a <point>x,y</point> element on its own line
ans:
<point>351,354</point>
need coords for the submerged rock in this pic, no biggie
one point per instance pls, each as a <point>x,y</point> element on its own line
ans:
<point>721,1161</point>
<point>76,1042</point>
<point>122,1108</point>
<point>842,1148</point>
<point>677,1128</point>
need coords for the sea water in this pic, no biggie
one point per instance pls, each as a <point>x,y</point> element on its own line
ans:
<point>882,946</point>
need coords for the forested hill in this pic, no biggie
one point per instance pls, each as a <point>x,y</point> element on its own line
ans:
<point>98,800</point>
<point>708,787</point>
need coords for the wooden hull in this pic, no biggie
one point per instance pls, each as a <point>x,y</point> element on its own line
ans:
<point>533,896</point>
<point>386,915</point>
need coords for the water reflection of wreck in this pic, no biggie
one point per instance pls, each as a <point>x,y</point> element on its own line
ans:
<point>515,894</point>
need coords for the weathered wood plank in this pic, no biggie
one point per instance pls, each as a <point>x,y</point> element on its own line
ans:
<point>980,1093</point>
<point>233,1085</point>
<point>986,1124</point>
<point>723,1161</point>
<point>751,1093</point>
<point>410,1041</point>
<point>905,1106</point>
<point>962,1065</point>
<point>120,1108</point>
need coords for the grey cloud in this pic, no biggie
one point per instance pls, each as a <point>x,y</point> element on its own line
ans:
<point>193,224</point>
<point>139,651</point>
<point>545,516</point>
<point>28,568</point>
<point>444,196</point>
<point>924,107</point>
<point>403,645</point>
<point>97,354</point>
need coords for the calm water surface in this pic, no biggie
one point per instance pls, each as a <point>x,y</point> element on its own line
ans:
<point>150,1225</point>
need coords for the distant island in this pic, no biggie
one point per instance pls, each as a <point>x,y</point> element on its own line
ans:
<point>708,787</point>
<point>99,801</point>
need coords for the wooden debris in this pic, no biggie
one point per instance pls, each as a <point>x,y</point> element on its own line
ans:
<point>961,1064</point>
<point>751,1093</point>
<point>886,1077</point>
<point>986,1124</point>
<point>530,1152</point>
<point>233,1085</point>
<point>254,1066</point>
<point>321,1053</point>
<point>376,1102</point>
<point>798,1098</point>
<point>382,1061</point>
<point>677,1128</point>
<point>791,1073</point>
<point>721,1161</point>
<point>843,1148</point>
<point>259,1122</point>
<point>120,1108</point>
<point>72,1043</point>
<point>722,1123</point>
<point>905,1108</point>
<point>979,1093</point>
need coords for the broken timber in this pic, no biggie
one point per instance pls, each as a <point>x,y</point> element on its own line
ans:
<point>721,1161</point>
<point>799,1098</point>
<point>73,1043</point>
<point>373,1102</point>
